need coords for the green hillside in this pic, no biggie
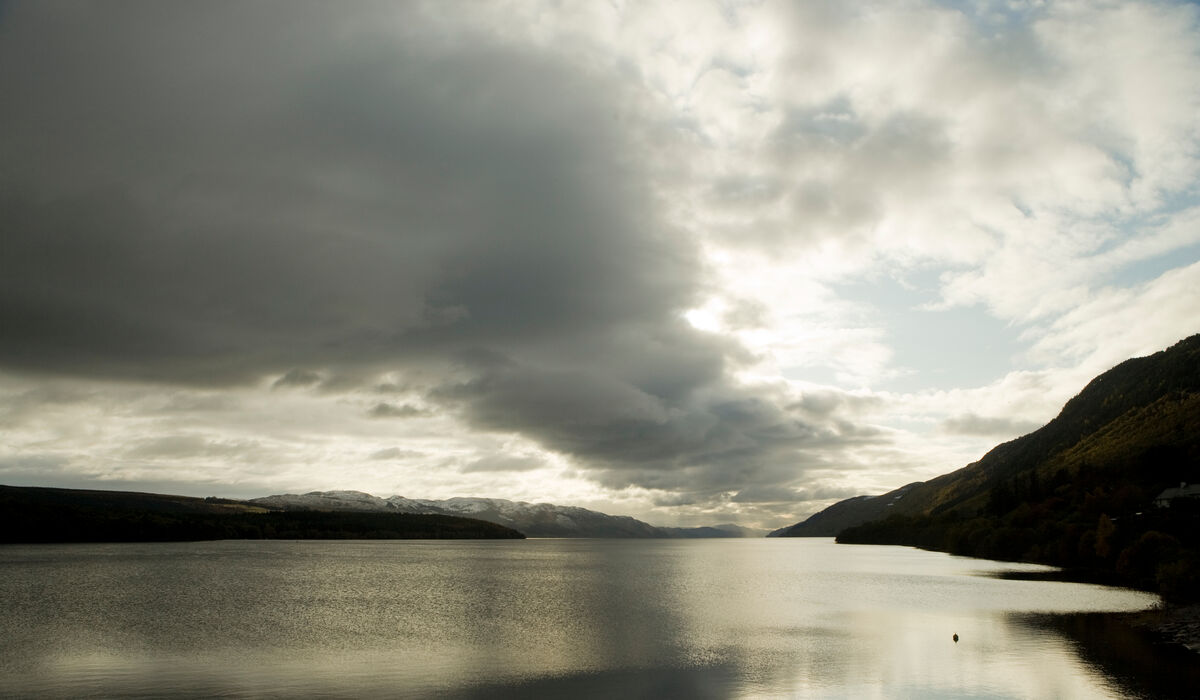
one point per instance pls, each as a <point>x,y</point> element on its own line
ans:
<point>1079,492</point>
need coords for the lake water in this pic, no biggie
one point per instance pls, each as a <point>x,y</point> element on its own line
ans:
<point>536,618</point>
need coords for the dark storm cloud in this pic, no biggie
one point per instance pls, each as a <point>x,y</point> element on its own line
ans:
<point>192,207</point>
<point>218,193</point>
<point>712,440</point>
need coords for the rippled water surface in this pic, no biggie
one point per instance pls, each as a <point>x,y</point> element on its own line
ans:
<point>535,618</point>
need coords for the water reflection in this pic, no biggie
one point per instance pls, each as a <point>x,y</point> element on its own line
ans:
<point>536,618</point>
<point>1133,659</point>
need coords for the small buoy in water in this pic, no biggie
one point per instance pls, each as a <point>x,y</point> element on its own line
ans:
<point>956,637</point>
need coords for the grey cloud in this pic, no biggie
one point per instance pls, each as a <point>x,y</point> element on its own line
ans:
<point>827,403</point>
<point>396,453</point>
<point>199,403</point>
<point>673,500</point>
<point>819,493</point>
<point>908,147</point>
<point>387,410</point>
<point>24,405</point>
<point>765,494</point>
<point>505,463</point>
<point>837,173</point>
<point>902,154</point>
<point>331,203</point>
<point>746,191</point>
<point>185,446</point>
<point>32,465</point>
<point>806,129</point>
<point>51,394</point>
<point>707,442</point>
<point>297,377</point>
<point>986,426</point>
<point>21,404</point>
<point>745,314</point>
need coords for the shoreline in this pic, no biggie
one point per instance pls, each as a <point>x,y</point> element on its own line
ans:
<point>1149,654</point>
<point>1172,623</point>
<point>1176,625</point>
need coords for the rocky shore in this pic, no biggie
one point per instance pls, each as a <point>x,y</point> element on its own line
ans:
<point>1175,624</point>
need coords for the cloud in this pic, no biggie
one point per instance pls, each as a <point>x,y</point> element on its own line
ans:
<point>765,494</point>
<point>712,440</point>
<point>185,446</point>
<point>972,424</point>
<point>25,466</point>
<point>297,377</point>
<point>674,500</point>
<point>387,410</point>
<point>361,213</point>
<point>505,463</point>
<point>396,453</point>
<point>1117,323</point>
<point>826,492</point>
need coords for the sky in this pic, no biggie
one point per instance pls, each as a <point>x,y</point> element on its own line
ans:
<point>693,262</point>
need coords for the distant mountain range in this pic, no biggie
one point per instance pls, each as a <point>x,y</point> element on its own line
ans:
<point>532,519</point>
<point>1085,491</point>
<point>32,514</point>
<point>29,514</point>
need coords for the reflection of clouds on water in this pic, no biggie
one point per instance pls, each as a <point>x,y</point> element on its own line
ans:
<point>544,618</point>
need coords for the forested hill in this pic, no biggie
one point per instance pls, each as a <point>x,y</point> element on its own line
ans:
<point>1079,492</point>
<point>845,514</point>
<point>70,515</point>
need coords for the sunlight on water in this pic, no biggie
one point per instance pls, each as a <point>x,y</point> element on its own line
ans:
<point>535,618</point>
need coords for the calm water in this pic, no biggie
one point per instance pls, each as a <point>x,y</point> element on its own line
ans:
<point>535,618</point>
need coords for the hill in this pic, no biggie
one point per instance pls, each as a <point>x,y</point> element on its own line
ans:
<point>845,514</point>
<point>722,530</point>
<point>69,515</point>
<point>533,519</point>
<point>1080,491</point>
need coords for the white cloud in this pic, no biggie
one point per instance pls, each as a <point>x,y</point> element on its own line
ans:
<point>1118,323</point>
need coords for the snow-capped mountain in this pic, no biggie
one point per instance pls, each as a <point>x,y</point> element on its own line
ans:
<point>533,519</point>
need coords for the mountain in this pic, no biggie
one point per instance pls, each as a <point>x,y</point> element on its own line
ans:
<point>73,515</point>
<point>533,519</point>
<point>708,531</point>
<point>845,514</point>
<point>1080,491</point>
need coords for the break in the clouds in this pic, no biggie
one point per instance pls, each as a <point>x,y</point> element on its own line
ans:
<point>728,260</point>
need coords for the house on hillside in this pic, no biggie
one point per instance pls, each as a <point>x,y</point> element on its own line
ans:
<point>1164,499</point>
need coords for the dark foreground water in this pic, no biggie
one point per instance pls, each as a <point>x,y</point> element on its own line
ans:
<point>537,618</point>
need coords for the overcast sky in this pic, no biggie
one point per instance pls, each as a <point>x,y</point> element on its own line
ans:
<point>697,262</point>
